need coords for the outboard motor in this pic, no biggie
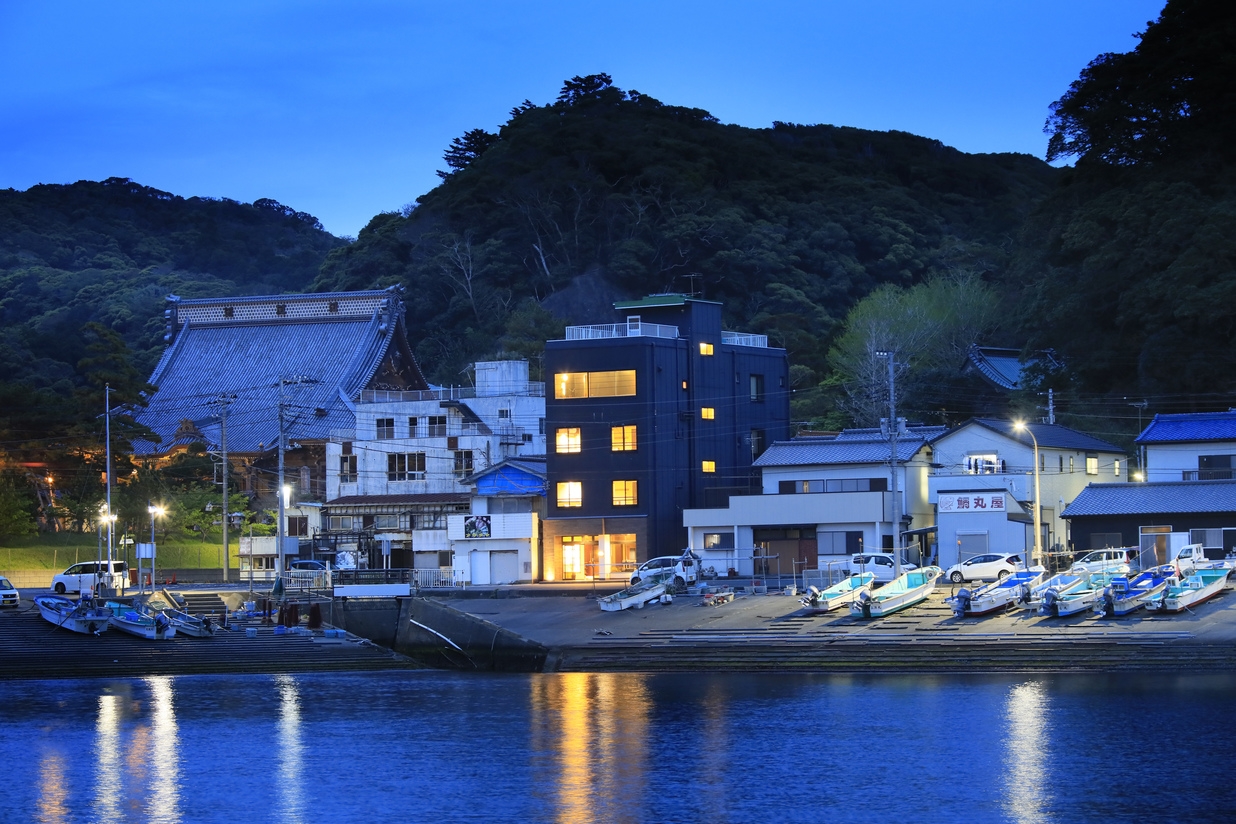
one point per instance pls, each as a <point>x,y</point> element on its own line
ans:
<point>1051,603</point>
<point>1107,604</point>
<point>161,623</point>
<point>961,603</point>
<point>1024,597</point>
<point>864,600</point>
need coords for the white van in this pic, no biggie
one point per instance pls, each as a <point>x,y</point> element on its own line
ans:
<point>87,575</point>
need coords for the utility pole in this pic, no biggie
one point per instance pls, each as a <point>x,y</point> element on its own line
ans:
<point>892,459</point>
<point>111,517</point>
<point>224,401</point>
<point>279,527</point>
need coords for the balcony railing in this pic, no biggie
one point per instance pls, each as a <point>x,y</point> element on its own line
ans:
<point>744,339</point>
<point>530,389</point>
<point>621,330</point>
<point>1206,475</point>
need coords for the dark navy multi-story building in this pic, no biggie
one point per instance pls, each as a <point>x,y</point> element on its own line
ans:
<point>645,418</point>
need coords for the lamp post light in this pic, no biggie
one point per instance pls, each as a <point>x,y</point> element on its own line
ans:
<point>155,512</point>
<point>1021,426</point>
<point>890,356</point>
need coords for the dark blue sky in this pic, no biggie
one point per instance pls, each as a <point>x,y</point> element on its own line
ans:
<point>344,109</point>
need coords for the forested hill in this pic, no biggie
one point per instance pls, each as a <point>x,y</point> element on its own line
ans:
<point>108,253</point>
<point>606,194</point>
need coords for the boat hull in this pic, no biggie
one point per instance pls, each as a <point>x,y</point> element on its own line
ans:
<point>994,596</point>
<point>1195,590</point>
<point>190,625</point>
<point>1122,597</point>
<point>648,590</point>
<point>910,589</point>
<point>85,619</point>
<point>838,595</point>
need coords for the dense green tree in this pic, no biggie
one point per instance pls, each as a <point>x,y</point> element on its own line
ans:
<point>17,506</point>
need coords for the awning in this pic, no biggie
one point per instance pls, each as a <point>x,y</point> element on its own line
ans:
<point>922,530</point>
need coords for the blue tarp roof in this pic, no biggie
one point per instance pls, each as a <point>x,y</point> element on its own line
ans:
<point>1170,497</point>
<point>1197,426</point>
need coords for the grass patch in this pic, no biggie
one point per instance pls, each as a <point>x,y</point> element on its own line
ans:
<point>56,551</point>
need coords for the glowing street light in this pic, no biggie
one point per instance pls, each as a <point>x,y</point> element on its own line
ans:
<point>155,512</point>
<point>1021,426</point>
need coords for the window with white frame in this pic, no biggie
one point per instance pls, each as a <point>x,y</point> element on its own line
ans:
<point>463,462</point>
<point>437,426</point>
<point>405,466</point>
<point>385,428</point>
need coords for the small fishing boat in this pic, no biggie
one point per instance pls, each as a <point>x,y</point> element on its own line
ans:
<point>843,592</point>
<point>997,595</point>
<point>1195,589</point>
<point>190,625</point>
<point>1078,599</point>
<point>137,621</point>
<point>84,616</point>
<point>1058,584</point>
<point>651,588</point>
<point>911,588</point>
<point>1124,595</point>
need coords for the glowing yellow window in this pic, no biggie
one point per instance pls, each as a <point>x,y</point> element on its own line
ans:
<point>571,385</point>
<point>705,348</point>
<point>622,438</point>
<point>570,493</point>
<point>707,413</point>
<point>625,493</point>
<point>709,466</point>
<point>567,440</point>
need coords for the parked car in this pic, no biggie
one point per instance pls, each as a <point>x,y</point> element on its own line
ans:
<point>1103,560</point>
<point>686,568</point>
<point>881,564</point>
<point>88,575</point>
<point>986,567</point>
<point>309,565</point>
<point>9,596</point>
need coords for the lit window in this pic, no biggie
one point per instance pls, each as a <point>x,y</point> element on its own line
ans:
<point>624,493</point>
<point>570,493</point>
<point>705,348</point>
<point>1070,464</point>
<point>1092,464</point>
<point>707,413</point>
<point>567,439</point>
<point>1117,468</point>
<point>571,385</point>
<point>616,384</point>
<point>622,438</point>
<point>709,466</point>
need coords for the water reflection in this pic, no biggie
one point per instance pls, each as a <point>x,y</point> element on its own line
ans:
<point>164,798</point>
<point>289,790</point>
<point>108,789</point>
<point>53,795</point>
<point>595,730</point>
<point>1025,775</point>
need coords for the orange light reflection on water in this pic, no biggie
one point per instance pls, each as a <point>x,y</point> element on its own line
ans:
<point>595,727</point>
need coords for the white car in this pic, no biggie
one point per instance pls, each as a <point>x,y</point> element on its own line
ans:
<point>685,566</point>
<point>987,567</point>
<point>86,576</point>
<point>1103,560</point>
<point>879,563</point>
<point>9,597</point>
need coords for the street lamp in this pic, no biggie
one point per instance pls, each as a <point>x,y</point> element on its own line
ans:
<point>155,512</point>
<point>1021,426</point>
<point>890,355</point>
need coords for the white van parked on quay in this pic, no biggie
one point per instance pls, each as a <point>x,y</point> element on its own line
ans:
<point>87,575</point>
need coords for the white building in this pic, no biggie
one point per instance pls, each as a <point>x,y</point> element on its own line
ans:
<point>395,480</point>
<point>989,461</point>
<point>499,540</point>
<point>1198,446</point>
<point>824,498</point>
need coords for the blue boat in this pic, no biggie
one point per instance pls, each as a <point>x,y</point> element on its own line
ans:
<point>995,596</point>
<point>844,592</point>
<point>1124,596</point>
<point>911,588</point>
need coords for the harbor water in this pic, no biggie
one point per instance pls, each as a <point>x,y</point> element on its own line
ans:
<point>717,748</point>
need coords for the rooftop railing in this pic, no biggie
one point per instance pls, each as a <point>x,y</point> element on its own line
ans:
<point>621,330</point>
<point>530,389</point>
<point>744,339</point>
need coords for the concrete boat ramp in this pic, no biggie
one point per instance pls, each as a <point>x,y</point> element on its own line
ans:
<point>774,633</point>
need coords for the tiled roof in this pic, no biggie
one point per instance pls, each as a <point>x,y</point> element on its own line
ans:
<point>326,347</point>
<point>1198,426</point>
<point>1051,436</point>
<point>397,500</point>
<point>851,446</point>
<point>1002,367</point>
<point>1154,498</point>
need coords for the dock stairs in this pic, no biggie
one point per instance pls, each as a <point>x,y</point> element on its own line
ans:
<point>205,604</point>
